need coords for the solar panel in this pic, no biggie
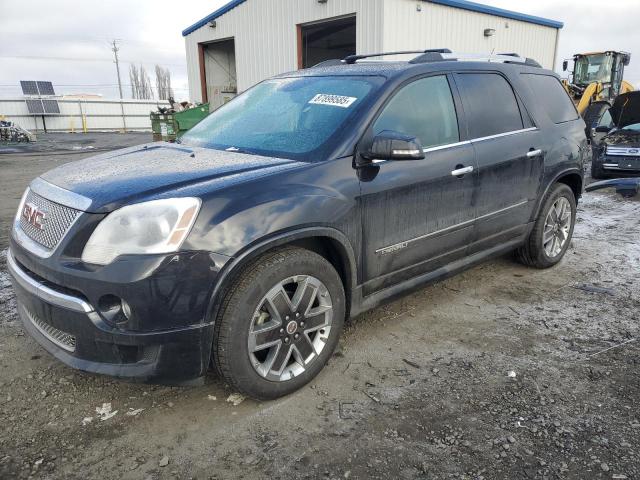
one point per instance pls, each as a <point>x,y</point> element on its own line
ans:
<point>29,87</point>
<point>51,106</point>
<point>45,88</point>
<point>35,107</point>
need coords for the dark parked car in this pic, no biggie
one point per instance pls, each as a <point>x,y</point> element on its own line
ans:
<point>617,153</point>
<point>308,199</point>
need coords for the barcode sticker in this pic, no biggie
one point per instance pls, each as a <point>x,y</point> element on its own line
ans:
<point>333,100</point>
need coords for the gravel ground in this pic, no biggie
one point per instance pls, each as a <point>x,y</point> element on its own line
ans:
<point>502,372</point>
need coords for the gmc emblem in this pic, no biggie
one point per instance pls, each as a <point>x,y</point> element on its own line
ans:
<point>33,215</point>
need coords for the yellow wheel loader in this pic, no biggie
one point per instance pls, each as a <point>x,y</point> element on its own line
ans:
<point>595,82</point>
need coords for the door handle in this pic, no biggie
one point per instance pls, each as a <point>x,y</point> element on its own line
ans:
<point>461,171</point>
<point>534,153</point>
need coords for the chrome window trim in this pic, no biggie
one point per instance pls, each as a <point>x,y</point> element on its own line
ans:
<point>60,195</point>
<point>43,292</point>
<point>445,146</point>
<point>406,243</point>
<point>479,139</point>
<point>504,134</point>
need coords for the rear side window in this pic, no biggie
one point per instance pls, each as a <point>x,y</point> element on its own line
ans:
<point>423,109</point>
<point>490,104</point>
<point>552,97</point>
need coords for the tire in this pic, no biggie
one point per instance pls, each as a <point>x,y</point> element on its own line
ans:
<point>538,253</point>
<point>255,313</point>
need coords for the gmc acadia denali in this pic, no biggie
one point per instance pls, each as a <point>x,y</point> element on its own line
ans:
<point>308,199</point>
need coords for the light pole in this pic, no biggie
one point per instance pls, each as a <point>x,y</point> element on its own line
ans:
<point>115,49</point>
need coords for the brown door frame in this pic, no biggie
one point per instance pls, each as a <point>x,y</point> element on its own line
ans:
<point>299,27</point>
<point>299,41</point>
<point>203,75</point>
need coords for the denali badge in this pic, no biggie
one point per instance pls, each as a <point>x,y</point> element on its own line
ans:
<point>33,215</point>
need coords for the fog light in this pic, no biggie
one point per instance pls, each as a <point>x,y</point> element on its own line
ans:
<point>114,310</point>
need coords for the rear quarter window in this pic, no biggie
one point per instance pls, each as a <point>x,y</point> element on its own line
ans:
<point>552,97</point>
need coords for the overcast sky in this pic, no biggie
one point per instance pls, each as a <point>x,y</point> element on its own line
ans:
<point>67,41</point>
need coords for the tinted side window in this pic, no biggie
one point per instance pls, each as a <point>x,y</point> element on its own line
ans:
<point>490,104</point>
<point>423,109</point>
<point>552,97</point>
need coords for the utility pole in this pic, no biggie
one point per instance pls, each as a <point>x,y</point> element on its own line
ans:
<point>115,49</point>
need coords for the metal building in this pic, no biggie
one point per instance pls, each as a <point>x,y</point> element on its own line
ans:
<point>247,41</point>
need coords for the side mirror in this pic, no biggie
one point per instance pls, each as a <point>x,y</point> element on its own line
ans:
<point>601,129</point>
<point>390,145</point>
<point>565,65</point>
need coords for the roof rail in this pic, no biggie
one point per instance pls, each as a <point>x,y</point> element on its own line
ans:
<point>437,55</point>
<point>354,58</point>
<point>329,63</point>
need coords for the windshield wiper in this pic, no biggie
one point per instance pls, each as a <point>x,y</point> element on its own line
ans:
<point>239,150</point>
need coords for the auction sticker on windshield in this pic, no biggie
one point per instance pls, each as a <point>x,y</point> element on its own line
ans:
<point>333,100</point>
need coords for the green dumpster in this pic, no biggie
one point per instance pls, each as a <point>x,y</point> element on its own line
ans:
<point>169,126</point>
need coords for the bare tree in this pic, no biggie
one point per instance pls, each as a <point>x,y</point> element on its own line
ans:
<point>163,83</point>
<point>140,83</point>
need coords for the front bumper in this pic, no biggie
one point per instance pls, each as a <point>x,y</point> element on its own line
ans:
<point>622,166</point>
<point>69,325</point>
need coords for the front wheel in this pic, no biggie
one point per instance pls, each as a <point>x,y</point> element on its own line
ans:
<point>552,231</point>
<point>279,323</point>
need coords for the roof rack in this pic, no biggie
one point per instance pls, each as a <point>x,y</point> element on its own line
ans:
<point>437,55</point>
<point>354,58</point>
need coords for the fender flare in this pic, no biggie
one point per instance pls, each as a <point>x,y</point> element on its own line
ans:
<point>254,250</point>
<point>553,182</point>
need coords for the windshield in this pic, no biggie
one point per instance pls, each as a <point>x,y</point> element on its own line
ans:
<point>593,68</point>
<point>286,117</point>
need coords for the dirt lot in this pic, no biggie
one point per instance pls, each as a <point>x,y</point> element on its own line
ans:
<point>501,372</point>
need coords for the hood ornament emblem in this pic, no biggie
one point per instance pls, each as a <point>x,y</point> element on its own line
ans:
<point>32,214</point>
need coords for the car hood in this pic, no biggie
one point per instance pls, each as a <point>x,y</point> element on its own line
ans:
<point>622,138</point>
<point>158,170</point>
<point>626,109</point>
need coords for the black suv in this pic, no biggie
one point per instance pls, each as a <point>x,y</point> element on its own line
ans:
<point>308,199</point>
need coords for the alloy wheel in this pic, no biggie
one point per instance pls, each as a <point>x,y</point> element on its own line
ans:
<point>290,327</point>
<point>557,227</point>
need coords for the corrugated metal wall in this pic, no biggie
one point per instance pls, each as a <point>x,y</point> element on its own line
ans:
<point>265,35</point>
<point>438,26</point>
<point>100,114</point>
<point>266,42</point>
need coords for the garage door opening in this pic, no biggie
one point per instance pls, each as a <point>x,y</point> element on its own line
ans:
<point>218,72</point>
<point>318,42</point>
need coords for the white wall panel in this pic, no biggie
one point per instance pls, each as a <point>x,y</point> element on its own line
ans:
<point>100,114</point>
<point>438,26</point>
<point>266,42</point>
<point>266,37</point>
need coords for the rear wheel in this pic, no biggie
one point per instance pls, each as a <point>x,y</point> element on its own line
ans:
<point>279,323</point>
<point>553,229</point>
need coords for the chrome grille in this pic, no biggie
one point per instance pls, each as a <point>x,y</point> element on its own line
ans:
<point>55,224</point>
<point>64,340</point>
<point>623,151</point>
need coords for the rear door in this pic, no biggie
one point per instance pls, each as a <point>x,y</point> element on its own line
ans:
<point>509,155</point>
<point>417,216</point>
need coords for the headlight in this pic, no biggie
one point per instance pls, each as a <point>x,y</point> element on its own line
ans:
<point>159,226</point>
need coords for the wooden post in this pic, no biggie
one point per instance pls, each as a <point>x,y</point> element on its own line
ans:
<point>203,74</point>
<point>300,46</point>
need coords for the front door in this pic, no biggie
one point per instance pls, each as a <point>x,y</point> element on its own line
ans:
<point>416,214</point>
